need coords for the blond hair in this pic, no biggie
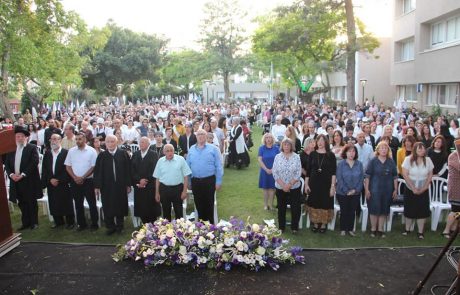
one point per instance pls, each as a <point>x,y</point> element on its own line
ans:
<point>383,143</point>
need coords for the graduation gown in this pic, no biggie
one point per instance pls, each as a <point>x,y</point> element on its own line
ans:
<point>59,197</point>
<point>30,185</point>
<point>114,196</point>
<point>144,198</point>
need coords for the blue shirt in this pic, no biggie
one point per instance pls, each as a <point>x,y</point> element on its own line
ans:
<point>205,162</point>
<point>171,172</point>
<point>349,178</point>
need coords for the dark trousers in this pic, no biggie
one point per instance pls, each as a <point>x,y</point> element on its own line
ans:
<point>203,193</point>
<point>59,220</point>
<point>168,195</point>
<point>348,207</point>
<point>28,206</point>
<point>114,222</point>
<point>293,197</point>
<point>79,193</point>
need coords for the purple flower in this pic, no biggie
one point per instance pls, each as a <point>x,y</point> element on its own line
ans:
<point>228,266</point>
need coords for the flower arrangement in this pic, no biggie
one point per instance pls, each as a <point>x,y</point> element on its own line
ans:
<point>204,245</point>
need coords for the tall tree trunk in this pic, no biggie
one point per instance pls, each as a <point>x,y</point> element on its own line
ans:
<point>227,85</point>
<point>351,50</point>
<point>4,103</point>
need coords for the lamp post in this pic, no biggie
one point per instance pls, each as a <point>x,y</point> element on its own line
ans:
<point>363,84</point>
<point>206,82</point>
<point>213,86</point>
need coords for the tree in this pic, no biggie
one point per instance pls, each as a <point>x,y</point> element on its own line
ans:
<point>303,38</point>
<point>222,38</point>
<point>127,57</point>
<point>186,70</point>
<point>35,39</point>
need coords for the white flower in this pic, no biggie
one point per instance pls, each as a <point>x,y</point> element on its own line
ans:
<point>203,259</point>
<point>170,233</point>
<point>225,228</point>
<point>210,235</point>
<point>241,246</point>
<point>140,235</point>
<point>182,250</point>
<point>162,253</point>
<point>255,227</point>
<point>225,257</point>
<point>219,248</point>
<point>243,234</point>
<point>276,253</point>
<point>212,250</point>
<point>239,258</point>
<point>247,260</point>
<point>137,258</point>
<point>260,250</point>
<point>173,241</point>
<point>262,263</point>
<point>229,242</point>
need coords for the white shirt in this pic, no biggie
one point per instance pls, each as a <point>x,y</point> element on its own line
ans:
<point>279,131</point>
<point>418,173</point>
<point>55,155</point>
<point>17,159</point>
<point>130,134</point>
<point>365,154</point>
<point>81,160</point>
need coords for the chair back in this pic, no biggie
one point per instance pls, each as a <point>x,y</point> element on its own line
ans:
<point>436,189</point>
<point>401,186</point>
<point>134,147</point>
<point>302,185</point>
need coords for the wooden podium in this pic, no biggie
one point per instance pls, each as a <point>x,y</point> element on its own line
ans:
<point>8,240</point>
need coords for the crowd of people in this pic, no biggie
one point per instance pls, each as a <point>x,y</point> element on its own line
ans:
<point>310,156</point>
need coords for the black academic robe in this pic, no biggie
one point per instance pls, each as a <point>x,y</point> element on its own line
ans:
<point>30,185</point>
<point>183,143</point>
<point>144,198</point>
<point>114,195</point>
<point>59,197</point>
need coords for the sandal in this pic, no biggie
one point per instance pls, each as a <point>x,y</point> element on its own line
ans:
<point>381,234</point>
<point>373,234</point>
<point>322,230</point>
<point>446,235</point>
<point>420,236</point>
<point>406,233</point>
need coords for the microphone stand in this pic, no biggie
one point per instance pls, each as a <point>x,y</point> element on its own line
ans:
<point>454,235</point>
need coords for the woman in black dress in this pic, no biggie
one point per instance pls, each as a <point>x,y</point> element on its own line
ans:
<point>320,184</point>
<point>439,154</point>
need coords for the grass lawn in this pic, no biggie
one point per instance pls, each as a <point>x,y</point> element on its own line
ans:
<point>240,197</point>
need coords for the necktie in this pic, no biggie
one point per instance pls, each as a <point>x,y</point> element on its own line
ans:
<point>113,165</point>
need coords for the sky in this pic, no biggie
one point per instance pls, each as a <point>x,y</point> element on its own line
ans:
<point>179,20</point>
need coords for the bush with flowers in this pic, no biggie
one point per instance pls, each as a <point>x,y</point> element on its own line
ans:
<point>204,245</point>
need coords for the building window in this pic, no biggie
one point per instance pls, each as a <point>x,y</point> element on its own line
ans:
<point>405,50</point>
<point>443,94</point>
<point>408,92</point>
<point>408,6</point>
<point>445,31</point>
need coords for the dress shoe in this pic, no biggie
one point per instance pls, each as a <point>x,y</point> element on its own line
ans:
<point>23,228</point>
<point>35,226</point>
<point>81,228</point>
<point>110,231</point>
<point>70,226</point>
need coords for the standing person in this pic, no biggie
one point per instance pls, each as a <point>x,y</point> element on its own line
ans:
<point>439,154</point>
<point>112,181</point>
<point>219,134</point>
<point>381,185</point>
<point>238,151</point>
<point>206,165</point>
<point>56,180</point>
<point>171,173</point>
<point>278,129</point>
<point>453,190</point>
<point>68,141</point>
<point>350,177</point>
<point>290,133</point>
<point>286,172</point>
<point>393,141</point>
<point>25,187</point>
<point>158,146</point>
<point>49,131</point>
<point>404,151</point>
<point>417,170</point>
<point>80,163</point>
<point>320,184</point>
<point>266,156</point>
<point>143,165</point>
<point>365,150</point>
<point>186,140</point>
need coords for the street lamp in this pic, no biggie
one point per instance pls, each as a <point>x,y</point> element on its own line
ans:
<point>213,85</point>
<point>363,84</point>
<point>206,82</point>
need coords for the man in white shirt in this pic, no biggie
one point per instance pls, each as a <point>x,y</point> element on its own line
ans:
<point>365,151</point>
<point>80,163</point>
<point>130,134</point>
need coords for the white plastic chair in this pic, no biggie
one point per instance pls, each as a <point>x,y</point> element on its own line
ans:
<point>364,214</point>
<point>302,214</point>
<point>46,206</point>
<point>396,208</point>
<point>134,147</point>
<point>331,224</point>
<point>99,209</point>
<point>136,220</point>
<point>437,202</point>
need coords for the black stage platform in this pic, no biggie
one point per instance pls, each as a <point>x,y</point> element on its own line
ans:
<point>85,269</point>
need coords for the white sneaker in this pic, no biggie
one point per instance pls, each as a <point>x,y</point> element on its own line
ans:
<point>352,234</point>
<point>342,233</point>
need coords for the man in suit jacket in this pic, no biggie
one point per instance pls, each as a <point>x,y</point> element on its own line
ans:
<point>56,179</point>
<point>143,165</point>
<point>186,140</point>
<point>25,187</point>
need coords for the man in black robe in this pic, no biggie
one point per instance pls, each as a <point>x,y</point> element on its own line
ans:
<point>112,180</point>
<point>56,180</point>
<point>143,164</point>
<point>25,186</point>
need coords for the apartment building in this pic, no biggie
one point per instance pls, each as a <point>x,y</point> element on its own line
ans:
<point>425,56</point>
